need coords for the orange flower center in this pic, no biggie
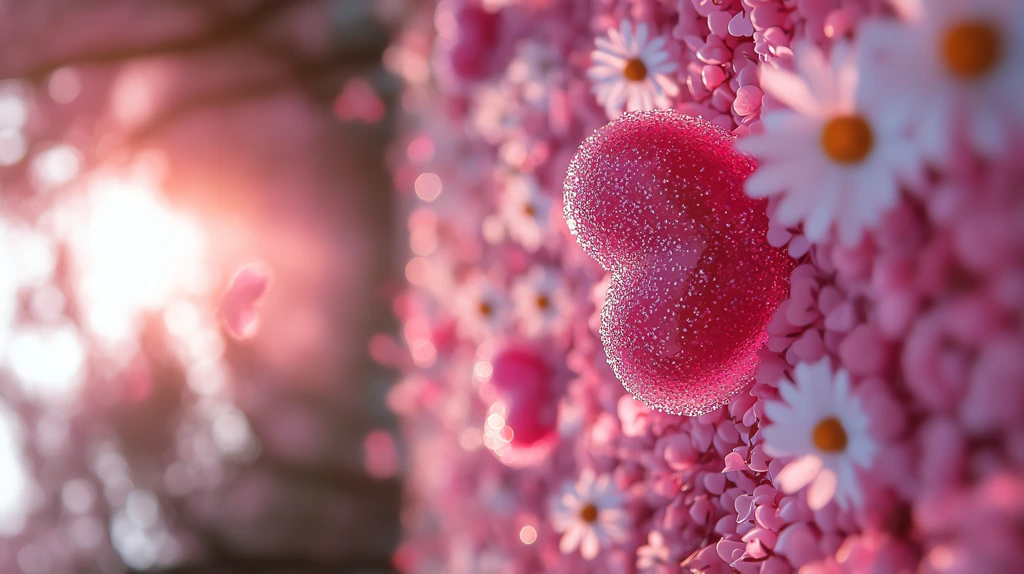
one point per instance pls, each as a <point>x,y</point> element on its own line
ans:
<point>543,302</point>
<point>588,513</point>
<point>829,435</point>
<point>635,70</point>
<point>485,308</point>
<point>529,210</point>
<point>847,139</point>
<point>971,49</point>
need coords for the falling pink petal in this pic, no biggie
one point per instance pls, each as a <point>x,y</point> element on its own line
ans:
<point>238,310</point>
<point>359,101</point>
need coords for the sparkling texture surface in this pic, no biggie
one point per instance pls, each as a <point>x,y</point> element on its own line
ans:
<point>657,199</point>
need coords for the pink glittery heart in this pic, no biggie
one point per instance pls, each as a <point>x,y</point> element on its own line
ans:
<point>657,198</point>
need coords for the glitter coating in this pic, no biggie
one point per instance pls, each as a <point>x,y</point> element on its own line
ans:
<point>657,198</point>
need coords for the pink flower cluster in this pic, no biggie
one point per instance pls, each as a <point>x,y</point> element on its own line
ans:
<point>885,429</point>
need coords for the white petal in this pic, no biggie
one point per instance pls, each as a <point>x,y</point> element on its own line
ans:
<point>815,70</point>
<point>590,546</point>
<point>797,202</point>
<point>626,34</point>
<point>769,179</point>
<point>934,125</point>
<point>607,60</point>
<point>988,133</point>
<point>778,411</point>
<point>641,37</point>
<point>571,539</point>
<point>842,386</point>
<point>653,58</point>
<point>632,97</point>
<point>822,489</point>
<point>666,85</point>
<point>616,98</point>
<point>787,135</point>
<point>819,220</point>
<point>789,89</point>
<point>786,439</point>
<point>616,523</point>
<point>792,395</point>
<point>818,373</point>
<point>611,48</point>
<point>655,46</point>
<point>799,473</point>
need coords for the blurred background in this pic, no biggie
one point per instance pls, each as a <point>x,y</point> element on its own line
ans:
<point>148,150</point>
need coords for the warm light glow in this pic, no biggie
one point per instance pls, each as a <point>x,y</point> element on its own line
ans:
<point>428,186</point>
<point>14,480</point>
<point>134,252</point>
<point>13,106</point>
<point>12,146</point>
<point>55,166</point>
<point>495,421</point>
<point>47,363</point>
<point>8,297</point>
<point>64,85</point>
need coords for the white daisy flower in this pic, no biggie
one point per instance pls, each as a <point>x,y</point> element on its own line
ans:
<point>825,426</point>
<point>834,158</point>
<point>535,69</point>
<point>589,515</point>
<point>629,70</point>
<point>526,211</point>
<point>481,308</point>
<point>654,556</point>
<point>955,68</point>
<point>493,117</point>
<point>541,301</point>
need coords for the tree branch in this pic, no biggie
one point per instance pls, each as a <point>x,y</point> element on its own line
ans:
<point>354,58</point>
<point>279,565</point>
<point>223,31</point>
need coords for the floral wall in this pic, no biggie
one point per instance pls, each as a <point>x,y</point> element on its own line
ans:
<point>801,230</point>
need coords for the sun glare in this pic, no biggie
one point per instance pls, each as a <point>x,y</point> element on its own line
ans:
<point>136,252</point>
<point>14,481</point>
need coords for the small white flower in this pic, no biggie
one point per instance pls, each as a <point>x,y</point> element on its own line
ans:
<point>541,301</point>
<point>526,211</point>
<point>493,117</point>
<point>629,70</point>
<point>825,426</point>
<point>481,308</point>
<point>833,158</point>
<point>953,68</point>
<point>654,555</point>
<point>589,515</point>
<point>535,69</point>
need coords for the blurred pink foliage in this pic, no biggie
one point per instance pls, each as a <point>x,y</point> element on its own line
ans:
<point>148,151</point>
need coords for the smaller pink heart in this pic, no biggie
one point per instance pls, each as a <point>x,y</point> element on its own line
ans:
<point>239,306</point>
<point>523,381</point>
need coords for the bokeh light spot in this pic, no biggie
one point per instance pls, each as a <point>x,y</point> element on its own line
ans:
<point>428,186</point>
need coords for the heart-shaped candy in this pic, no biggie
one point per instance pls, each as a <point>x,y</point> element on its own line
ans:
<point>657,198</point>
<point>521,423</point>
